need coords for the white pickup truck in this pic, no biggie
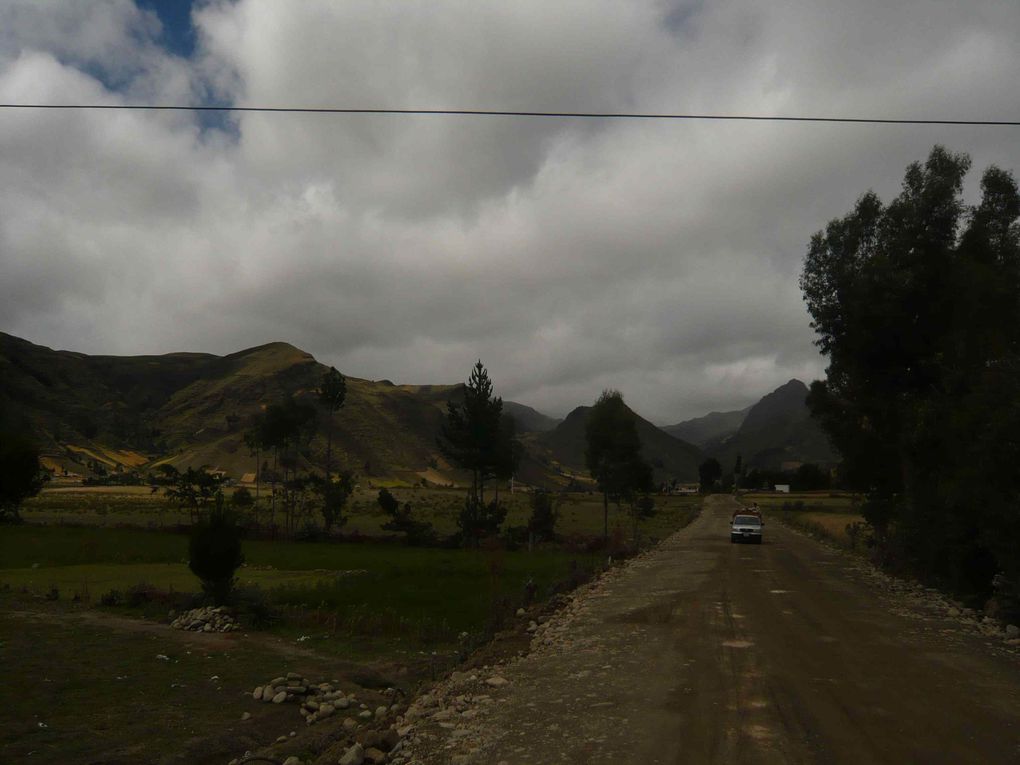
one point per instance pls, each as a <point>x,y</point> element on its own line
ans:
<point>745,527</point>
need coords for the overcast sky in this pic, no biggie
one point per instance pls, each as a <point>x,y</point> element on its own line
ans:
<point>659,258</point>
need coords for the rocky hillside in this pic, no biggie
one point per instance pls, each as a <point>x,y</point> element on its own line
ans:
<point>777,429</point>
<point>564,446</point>
<point>712,428</point>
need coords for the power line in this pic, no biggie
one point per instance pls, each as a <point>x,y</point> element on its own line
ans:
<point>508,113</point>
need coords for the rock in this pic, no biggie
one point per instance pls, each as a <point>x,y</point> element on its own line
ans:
<point>246,716</point>
<point>381,711</point>
<point>365,714</point>
<point>375,756</point>
<point>1012,631</point>
<point>388,739</point>
<point>294,676</point>
<point>292,760</point>
<point>325,710</point>
<point>280,739</point>
<point>521,612</point>
<point>496,681</point>
<point>954,611</point>
<point>280,697</point>
<point>349,724</point>
<point>278,681</point>
<point>341,703</point>
<point>353,756</point>
<point>257,694</point>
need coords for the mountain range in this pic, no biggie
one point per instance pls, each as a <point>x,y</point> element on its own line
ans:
<point>191,409</point>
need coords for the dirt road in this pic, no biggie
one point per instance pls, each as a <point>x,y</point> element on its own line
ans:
<point>708,652</point>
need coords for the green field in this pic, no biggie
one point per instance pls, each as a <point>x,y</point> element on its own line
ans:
<point>388,590</point>
<point>580,513</point>
<point>382,588</point>
<point>88,677</point>
<point>81,692</point>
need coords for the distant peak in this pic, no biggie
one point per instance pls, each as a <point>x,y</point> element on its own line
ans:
<point>277,347</point>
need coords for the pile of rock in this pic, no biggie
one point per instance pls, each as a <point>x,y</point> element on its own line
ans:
<point>318,700</point>
<point>208,619</point>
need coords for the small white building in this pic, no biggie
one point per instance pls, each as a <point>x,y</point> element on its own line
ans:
<point>783,488</point>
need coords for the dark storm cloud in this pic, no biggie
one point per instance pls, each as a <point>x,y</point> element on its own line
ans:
<point>658,258</point>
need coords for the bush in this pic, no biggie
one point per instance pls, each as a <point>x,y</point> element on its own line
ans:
<point>215,552</point>
<point>111,598</point>
<point>242,498</point>
<point>544,515</point>
<point>253,607</point>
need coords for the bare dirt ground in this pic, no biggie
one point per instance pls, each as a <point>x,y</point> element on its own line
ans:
<point>703,651</point>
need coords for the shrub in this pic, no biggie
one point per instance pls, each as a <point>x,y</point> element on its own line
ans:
<point>215,552</point>
<point>253,606</point>
<point>544,515</point>
<point>111,598</point>
<point>242,498</point>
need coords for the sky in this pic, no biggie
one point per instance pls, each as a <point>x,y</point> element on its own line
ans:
<point>660,258</point>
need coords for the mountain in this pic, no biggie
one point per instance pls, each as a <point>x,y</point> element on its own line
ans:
<point>714,426</point>
<point>529,420</point>
<point>670,457</point>
<point>777,429</point>
<point>191,409</point>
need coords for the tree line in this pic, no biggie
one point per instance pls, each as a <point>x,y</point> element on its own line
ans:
<point>916,304</point>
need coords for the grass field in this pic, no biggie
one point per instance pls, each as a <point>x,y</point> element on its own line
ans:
<point>99,683</point>
<point>825,514</point>
<point>79,692</point>
<point>580,513</point>
<point>389,590</point>
<point>380,588</point>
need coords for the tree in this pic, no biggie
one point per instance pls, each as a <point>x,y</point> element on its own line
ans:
<point>641,509</point>
<point>917,307</point>
<point>709,472</point>
<point>544,516</point>
<point>477,437</point>
<point>21,474</point>
<point>810,477</point>
<point>333,498</point>
<point>332,394</point>
<point>613,452</point>
<point>402,521</point>
<point>477,521</point>
<point>214,551</point>
<point>193,489</point>
<point>285,428</point>
<point>253,440</point>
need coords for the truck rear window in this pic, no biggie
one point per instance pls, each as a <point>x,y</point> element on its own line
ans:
<point>746,520</point>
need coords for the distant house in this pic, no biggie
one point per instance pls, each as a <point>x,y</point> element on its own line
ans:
<point>686,489</point>
<point>248,478</point>
<point>783,488</point>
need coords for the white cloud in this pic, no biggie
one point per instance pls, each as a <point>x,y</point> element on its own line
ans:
<point>660,258</point>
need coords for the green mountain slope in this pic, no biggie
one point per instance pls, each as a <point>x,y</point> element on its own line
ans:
<point>191,409</point>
